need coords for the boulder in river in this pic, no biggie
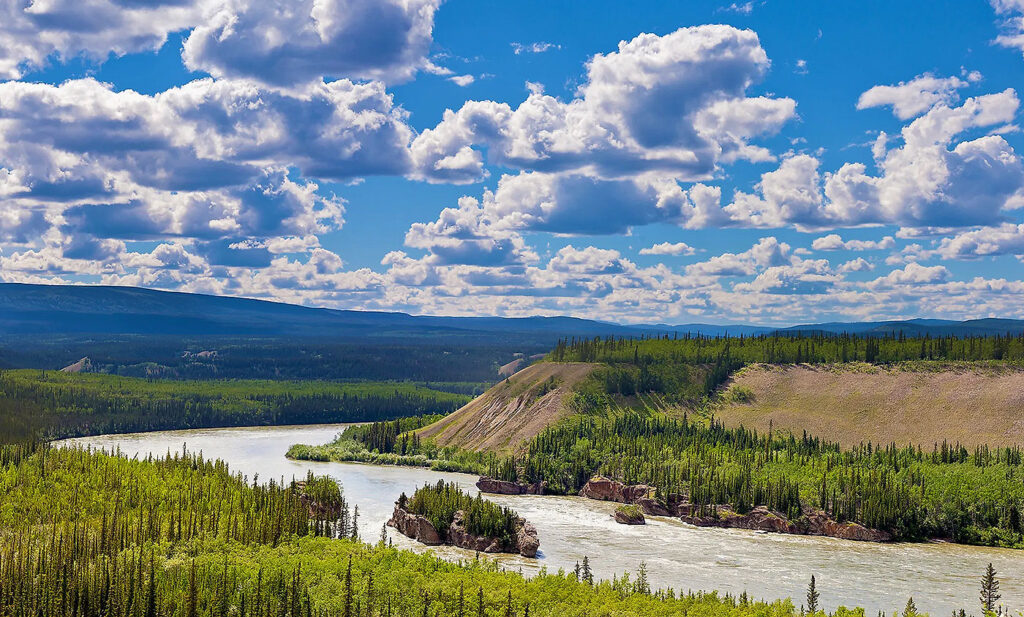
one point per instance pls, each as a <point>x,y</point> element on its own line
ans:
<point>629,515</point>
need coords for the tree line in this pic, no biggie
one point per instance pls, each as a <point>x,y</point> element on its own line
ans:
<point>65,405</point>
<point>789,349</point>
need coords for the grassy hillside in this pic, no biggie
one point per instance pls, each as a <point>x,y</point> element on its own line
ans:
<point>512,412</point>
<point>918,403</point>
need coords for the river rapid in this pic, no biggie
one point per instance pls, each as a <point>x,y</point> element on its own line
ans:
<point>940,577</point>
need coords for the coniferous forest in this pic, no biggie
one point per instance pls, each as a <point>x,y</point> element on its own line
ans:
<point>68,404</point>
<point>93,534</point>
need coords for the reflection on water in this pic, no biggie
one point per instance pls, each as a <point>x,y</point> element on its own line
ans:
<point>940,577</point>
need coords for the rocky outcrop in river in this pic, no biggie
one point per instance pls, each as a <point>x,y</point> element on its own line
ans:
<point>812,523</point>
<point>414,526</point>
<point>419,528</point>
<point>606,489</point>
<point>629,515</point>
<point>487,484</point>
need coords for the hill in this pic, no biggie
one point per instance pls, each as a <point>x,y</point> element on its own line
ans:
<point>105,310</point>
<point>511,412</point>
<point>922,405</point>
<point>83,309</point>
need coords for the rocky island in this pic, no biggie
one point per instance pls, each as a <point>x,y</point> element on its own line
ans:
<point>443,514</point>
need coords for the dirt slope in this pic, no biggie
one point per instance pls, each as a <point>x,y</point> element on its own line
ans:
<point>511,412</point>
<point>861,403</point>
<point>82,366</point>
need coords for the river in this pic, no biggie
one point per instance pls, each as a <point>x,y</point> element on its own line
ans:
<point>940,577</point>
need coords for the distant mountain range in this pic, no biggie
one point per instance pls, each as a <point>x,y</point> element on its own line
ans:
<point>98,310</point>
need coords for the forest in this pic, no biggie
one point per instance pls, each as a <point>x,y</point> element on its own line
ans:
<point>60,404</point>
<point>647,416</point>
<point>967,496</point>
<point>93,534</point>
<point>255,357</point>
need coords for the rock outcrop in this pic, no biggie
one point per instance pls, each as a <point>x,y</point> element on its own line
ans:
<point>819,523</point>
<point>417,527</point>
<point>414,526</point>
<point>629,515</point>
<point>812,523</point>
<point>487,484</point>
<point>606,489</point>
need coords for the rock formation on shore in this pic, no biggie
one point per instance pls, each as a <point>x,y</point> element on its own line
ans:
<point>419,528</point>
<point>486,484</point>
<point>811,523</point>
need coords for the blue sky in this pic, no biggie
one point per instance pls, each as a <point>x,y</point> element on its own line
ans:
<point>762,162</point>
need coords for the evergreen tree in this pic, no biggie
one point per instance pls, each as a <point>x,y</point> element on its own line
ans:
<point>588,576</point>
<point>812,596</point>
<point>989,590</point>
<point>911,609</point>
<point>641,585</point>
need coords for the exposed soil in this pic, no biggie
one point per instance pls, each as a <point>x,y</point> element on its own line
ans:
<point>860,403</point>
<point>512,412</point>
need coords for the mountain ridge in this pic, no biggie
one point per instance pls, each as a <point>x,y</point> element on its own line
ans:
<point>27,309</point>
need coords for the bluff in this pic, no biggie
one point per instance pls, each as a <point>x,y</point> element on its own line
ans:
<point>512,412</point>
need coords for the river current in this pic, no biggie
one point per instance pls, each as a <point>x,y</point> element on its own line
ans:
<point>940,577</point>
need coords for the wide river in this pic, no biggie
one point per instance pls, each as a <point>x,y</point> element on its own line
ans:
<point>940,577</point>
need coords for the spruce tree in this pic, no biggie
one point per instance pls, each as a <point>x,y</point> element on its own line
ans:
<point>641,585</point>
<point>348,589</point>
<point>812,596</point>
<point>911,609</point>
<point>989,590</point>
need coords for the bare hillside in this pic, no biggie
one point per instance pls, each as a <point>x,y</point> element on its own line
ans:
<point>862,403</point>
<point>511,412</point>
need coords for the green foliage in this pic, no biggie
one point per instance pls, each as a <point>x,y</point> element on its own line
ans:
<point>396,443</point>
<point>91,534</point>
<point>971,497</point>
<point>656,353</point>
<point>740,394</point>
<point>440,502</point>
<point>630,511</point>
<point>66,404</point>
<point>444,363</point>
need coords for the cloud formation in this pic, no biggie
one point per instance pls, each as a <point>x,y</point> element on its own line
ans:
<point>669,248</point>
<point>275,42</point>
<point>911,99</point>
<point>33,33</point>
<point>226,184</point>
<point>295,42</point>
<point>1011,13</point>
